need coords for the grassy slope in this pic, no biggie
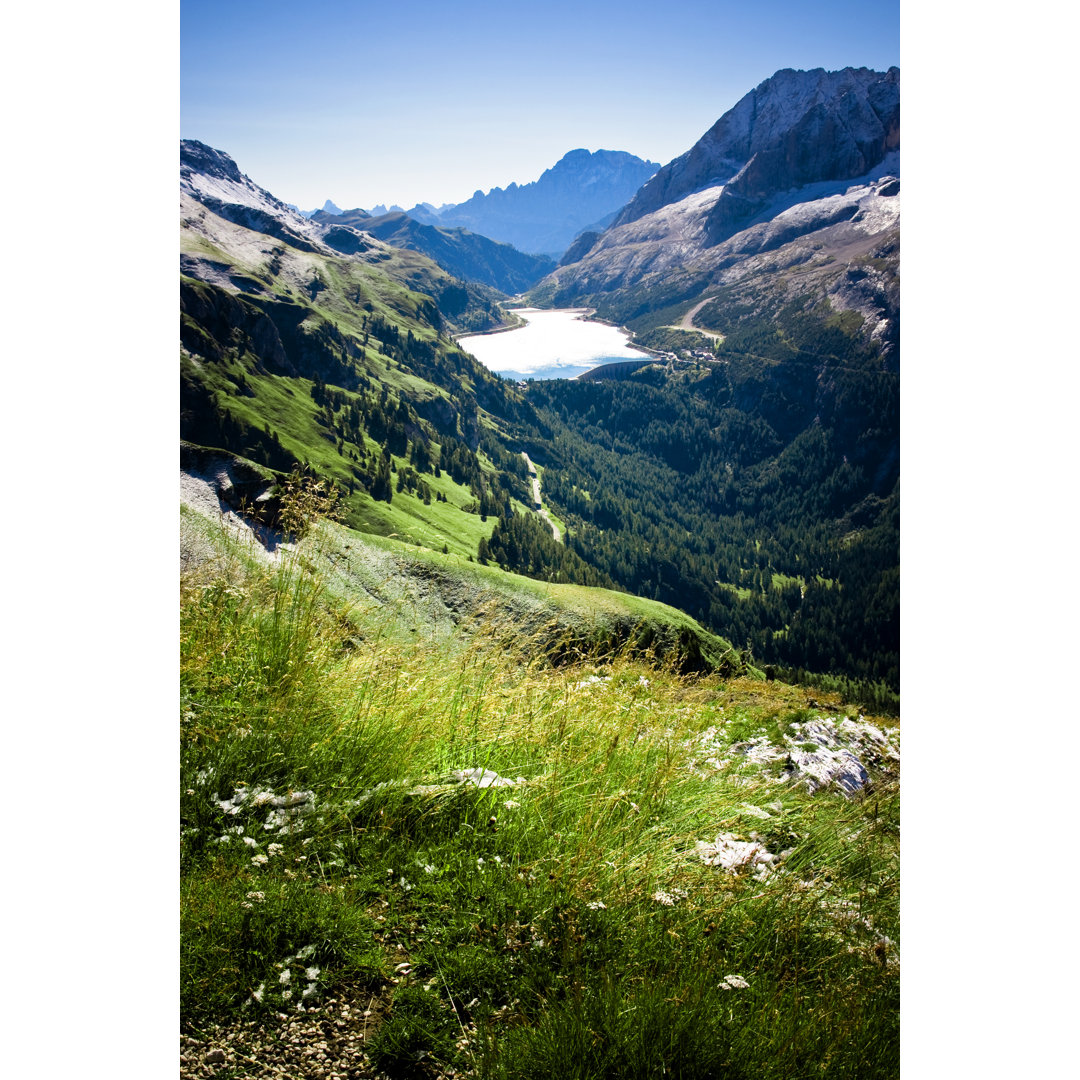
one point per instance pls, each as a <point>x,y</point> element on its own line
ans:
<point>527,917</point>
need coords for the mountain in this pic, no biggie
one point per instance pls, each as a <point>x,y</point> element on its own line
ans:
<point>458,251</point>
<point>297,353</point>
<point>544,216</point>
<point>796,128</point>
<point>214,195</point>
<point>462,253</point>
<point>791,197</point>
<point>210,178</point>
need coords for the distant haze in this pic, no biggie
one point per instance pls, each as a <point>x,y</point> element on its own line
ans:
<point>366,104</point>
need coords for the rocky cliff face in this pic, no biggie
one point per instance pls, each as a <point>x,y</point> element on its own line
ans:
<point>544,216</point>
<point>211,177</point>
<point>796,128</point>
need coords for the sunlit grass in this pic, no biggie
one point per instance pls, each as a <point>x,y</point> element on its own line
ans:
<point>563,924</point>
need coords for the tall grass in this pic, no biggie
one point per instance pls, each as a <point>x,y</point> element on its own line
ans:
<point>532,917</point>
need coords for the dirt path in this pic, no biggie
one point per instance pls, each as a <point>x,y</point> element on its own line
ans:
<point>534,477</point>
<point>687,322</point>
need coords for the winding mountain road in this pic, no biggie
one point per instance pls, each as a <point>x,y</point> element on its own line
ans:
<point>534,477</point>
<point>687,322</point>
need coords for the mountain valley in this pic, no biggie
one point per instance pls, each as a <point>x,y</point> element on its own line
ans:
<point>542,727</point>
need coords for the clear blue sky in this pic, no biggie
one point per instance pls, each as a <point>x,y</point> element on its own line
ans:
<point>418,100</point>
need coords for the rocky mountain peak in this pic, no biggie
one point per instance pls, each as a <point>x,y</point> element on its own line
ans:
<point>200,158</point>
<point>545,215</point>
<point>795,128</point>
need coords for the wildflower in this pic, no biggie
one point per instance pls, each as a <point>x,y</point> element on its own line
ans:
<point>259,860</point>
<point>250,841</point>
<point>511,804</point>
<point>258,994</point>
<point>479,864</point>
<point>405,885</point>
<point>245,904</point>
<point>308,991</point>
<point>734,982</point>
<point>312,973</point>
<point>275,849</point>
<point>286,994</point>
<point>258,897</point>
<point>285,977</point>
<point>428,868</point>
<point>190,791</point>
<point>498,860</point>
<point>305,952</point>
<point>669,898</point>
<point>596,905</point>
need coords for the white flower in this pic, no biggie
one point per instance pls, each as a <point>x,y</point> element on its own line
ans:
<point>309,991</point>
<point>305,952</point>
<point>259,860</point>
<point>258,897</point>
<point>275,849</point>
<point>405,885</point>
<point>479,864</point>
<point>498,860</point>
<point>669,898</point>
<point>312,973</point>
<point>596,905</point>
<point>428,868</point>
<point>258,994</point>
<point>734,982</point>
<point>286,994</point>
<point>511,804</point>
<point>285,977</point>
<point>250,841</point>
